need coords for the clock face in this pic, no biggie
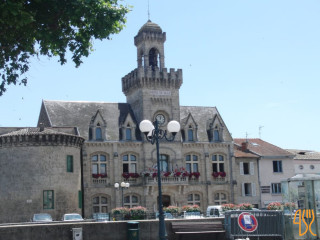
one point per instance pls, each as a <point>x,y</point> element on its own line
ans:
<point>161,119</point>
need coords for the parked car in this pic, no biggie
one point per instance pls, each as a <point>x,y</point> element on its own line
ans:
<point>101,217</point>
<point>72,217</point>
<point>41,217</point>
<point>215,211</point>
<point>167,215</point>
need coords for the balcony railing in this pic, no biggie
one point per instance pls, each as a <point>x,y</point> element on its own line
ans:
<point>99,180</point>
<point>220,180</point>
<point>168,180</point>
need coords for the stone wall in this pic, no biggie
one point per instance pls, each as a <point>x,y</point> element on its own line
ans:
<point>148,229</point>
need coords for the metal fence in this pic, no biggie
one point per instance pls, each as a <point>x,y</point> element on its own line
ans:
<point>270,225</point>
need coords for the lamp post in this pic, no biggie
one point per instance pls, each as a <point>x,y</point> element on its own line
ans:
<point>153,135</point>
<point>122,185</point>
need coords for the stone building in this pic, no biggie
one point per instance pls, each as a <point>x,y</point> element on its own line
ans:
<point>79,150</point>
<point>39,171</point>
<point>115,150</point>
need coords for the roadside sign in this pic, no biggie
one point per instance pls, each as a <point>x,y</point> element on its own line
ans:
<point>247,222</point>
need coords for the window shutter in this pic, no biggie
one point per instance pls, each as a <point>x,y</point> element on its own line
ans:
<point>251,168</point>
<point>253,185</point>
<point>241,168</point>
<point>243,191</point>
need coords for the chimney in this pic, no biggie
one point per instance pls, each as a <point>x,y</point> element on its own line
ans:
<point>244,146</point>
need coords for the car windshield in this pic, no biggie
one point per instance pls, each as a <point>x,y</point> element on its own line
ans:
<point>42,217</point>
<point>73,217</point>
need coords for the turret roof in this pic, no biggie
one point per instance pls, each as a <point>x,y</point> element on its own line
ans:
<point>150,27</point>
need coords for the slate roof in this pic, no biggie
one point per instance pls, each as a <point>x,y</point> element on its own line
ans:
<point>305,154</point>
<point>262,148</point>
<point>202,115</point>
<point>80,113</point>
<point>35,131</point>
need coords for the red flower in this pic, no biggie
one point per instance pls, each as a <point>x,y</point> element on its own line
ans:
<point>185,174</point>
<point>125,175</point>
<point>196,174</point>
<point>222,174</point>
<point>215,174</point>
<point>103,175</point>
<point>167,174</point>
<point>177,174</point>
<point>95,175</point>
<point>154,174</point>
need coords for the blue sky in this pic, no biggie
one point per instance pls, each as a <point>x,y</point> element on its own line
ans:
<point>256,61</point>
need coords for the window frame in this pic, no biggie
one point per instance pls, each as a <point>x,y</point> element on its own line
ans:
<point>192,162</point>
<point>100,205</point>
<point>193,200</point>
<point>70,163</point>
<point>131,162</point>
<point>47,201</point>
<point>276,188</point>
<point>99,163</point>
<point>277,166</point>
<point>218,162</point>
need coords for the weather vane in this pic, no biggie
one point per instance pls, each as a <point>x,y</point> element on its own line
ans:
<point>148,11</point>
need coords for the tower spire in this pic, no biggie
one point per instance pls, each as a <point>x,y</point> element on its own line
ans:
<point>148,11</point>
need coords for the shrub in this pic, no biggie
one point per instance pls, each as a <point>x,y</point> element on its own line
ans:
<point>228,206</point>
<point>137,213</point>
<point>171,209</point>
<point>245,206</point>
<point>120,210</point>
<point>191,208</point>
<point>274,206</point>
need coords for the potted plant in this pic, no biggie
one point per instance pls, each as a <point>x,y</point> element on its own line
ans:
<point>215,174</point>
<point>245,206</point>
<point>137,213</point>
<point>274,206</point>
<point>228,206</point>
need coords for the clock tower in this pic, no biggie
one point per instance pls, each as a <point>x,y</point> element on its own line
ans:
<point>151,89</point>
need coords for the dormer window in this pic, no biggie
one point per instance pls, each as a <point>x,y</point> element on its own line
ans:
<point>128,133</point>
<point>98,132</point>
<point>190,134</point>
<point>216,135</point>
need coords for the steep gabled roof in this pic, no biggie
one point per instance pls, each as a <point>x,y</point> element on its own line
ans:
<point>80,113</point>
<point>201,115</point>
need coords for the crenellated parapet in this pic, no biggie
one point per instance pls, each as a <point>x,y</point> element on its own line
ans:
<point>151,78</point>
<point>40,137</point>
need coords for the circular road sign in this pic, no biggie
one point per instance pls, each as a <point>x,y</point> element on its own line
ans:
<point>247,222</point>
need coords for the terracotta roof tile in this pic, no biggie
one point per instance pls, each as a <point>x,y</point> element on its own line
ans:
<point>262,148</point>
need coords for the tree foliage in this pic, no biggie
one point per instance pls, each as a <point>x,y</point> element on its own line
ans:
<point>51,28</point>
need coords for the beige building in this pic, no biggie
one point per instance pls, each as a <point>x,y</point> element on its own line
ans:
<point>246,176</point>
<point>306,161</point>
<point>274,165</point>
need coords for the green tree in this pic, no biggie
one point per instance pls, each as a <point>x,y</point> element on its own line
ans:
<point>52,27</point>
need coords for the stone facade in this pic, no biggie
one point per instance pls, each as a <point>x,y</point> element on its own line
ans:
<point>34,176</point>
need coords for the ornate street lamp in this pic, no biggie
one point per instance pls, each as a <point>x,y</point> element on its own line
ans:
<point>153,135</point>
<point>122,185</point>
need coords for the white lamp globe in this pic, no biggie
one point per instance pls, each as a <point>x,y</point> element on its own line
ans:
<point>123,184</point>
<point>116,185</point>
<point>146,126</point>
<point>173,126</point>
<point>127,185</point>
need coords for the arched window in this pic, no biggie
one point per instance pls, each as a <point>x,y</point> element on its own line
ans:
<point>131,201</point>
<point>192,163</point>
<point>153,57</point>
<point>220,198</point>
<point>99,165</point>
<point>129,163</point>
<point>217,163</point>
<point>190,134</point>
<point>164,163</point>
<point>100,204</point>
<point>193,199</point>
